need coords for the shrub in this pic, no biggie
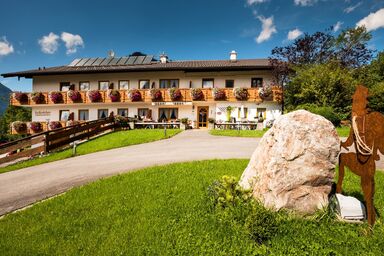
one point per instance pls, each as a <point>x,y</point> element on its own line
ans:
<point>122,121</point>
<point>326,112</point>
<point>36,127</point>
<point>94,96</point>
<point>37,97</point>
<point>56,97</point>
<point>236,206</point>
<point>19,126</point>
<point>197,94</point>
<point>114,95</point>
<point>134,95</point>
<point>75,96</point>
<point>211,120</point>
<point>219,94</point>
<point>20,97</point>
<point>184,120</point>
<point>156,94</point>
<point>54,125</point>
<point>175,94</point>
<point>241,93</point>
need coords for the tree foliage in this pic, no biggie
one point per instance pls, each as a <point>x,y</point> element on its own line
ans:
<point>11,114</point>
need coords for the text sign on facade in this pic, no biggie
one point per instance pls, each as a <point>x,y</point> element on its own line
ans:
<point>170,103</point>
<point>42,113</point>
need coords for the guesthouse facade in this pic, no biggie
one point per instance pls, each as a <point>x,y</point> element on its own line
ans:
<point>149,89</point>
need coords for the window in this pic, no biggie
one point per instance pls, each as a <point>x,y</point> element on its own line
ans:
<point>65,86</point>
<point>83,114</point>
<point>257,82</point>
<point>208,83</point>
<point>262,113</point>
<point>241,114</point>
<point>103,85</point>
<point>143,84</point>
<point>142,112</point>
<point>168,113</point>
<point>122,112</point>
<point>123,85</point>
<point>102,113</point>
<point>169,83</point>
<point>64,114</point>
<point>84,86</point>
<point>229,83</point>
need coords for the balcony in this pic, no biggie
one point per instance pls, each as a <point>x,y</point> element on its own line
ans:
<point>147,96</point>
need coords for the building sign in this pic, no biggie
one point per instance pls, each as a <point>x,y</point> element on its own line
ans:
<point>178,103</point>
<point>42,113</point>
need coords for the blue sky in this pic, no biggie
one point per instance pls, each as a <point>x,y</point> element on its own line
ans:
<point>48,33</point>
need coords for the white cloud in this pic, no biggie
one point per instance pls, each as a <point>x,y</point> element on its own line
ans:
<point>352,7</point>
<point>72,42</point>
<point>252,2</point>
<point>305,2</point>
<point>268,28</point>
<point>373,21</point>
<point>5,47</point>
<point>337,26</point>
<point>293,34</point>
<point>49,43</point>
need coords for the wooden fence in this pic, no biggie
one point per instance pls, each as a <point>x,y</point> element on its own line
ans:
<point>50,140</point>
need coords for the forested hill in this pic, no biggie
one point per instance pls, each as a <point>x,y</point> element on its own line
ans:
<point>4,97</point>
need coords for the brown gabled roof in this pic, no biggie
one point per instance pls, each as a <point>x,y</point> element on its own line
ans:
<point>192,66</point>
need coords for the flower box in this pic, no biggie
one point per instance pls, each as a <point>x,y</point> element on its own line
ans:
<point>241,93</point>
<point>175,94</point>
<point>197,94</point>
<point>156,95</point>
<point>56,97</point>
<point>74,96</point>
<point>265,92</point>
<point>19,127</point>
<point>36,127</point>
<point>37,97</point>
<point>219,94</point>
<point>114,95</point>
<point>94,96</point>
<point>54,125</point>
<point>134,95</point>
<point>20,97</point>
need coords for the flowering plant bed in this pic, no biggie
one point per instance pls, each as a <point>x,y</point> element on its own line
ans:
<point>94,96</point>
<point>156,95</point>
<point>36,127</point>
<point>219,94</point>
<point>75,96</point>
<point>37,97</point>
<point>114,95</point>
<point>134,95</point>
<point>265,92</point>
<point>175,94</point>
<point>197,94</point>
<point>19,127</point>
<point>20,97</point>
<point>54,125</point>
<point>56,97</point>
<point>241,93</point>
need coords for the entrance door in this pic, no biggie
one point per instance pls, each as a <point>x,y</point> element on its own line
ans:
<point>202,117</point>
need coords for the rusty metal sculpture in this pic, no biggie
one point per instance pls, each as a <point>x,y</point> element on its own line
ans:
<point>367,135</point>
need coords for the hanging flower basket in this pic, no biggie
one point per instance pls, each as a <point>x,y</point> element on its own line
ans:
<point>114,95</point>
<point>94,96</point>
<point>134,95</point>
<point>197,94</point>
<point>56,97</point>
<point>54,125</point>
<point>156,95</point>
<point>75,96</point>
<point>36,127</point>
<point>241,93</point>
<point>175,94</point>
<point>19,127</point>
<point>37,97</point>
<point>20,97</point>
<point>265,92</point>
<point>219,94</point>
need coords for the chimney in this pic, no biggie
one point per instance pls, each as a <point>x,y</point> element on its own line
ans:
<point>163,58</point>
<point>233,56</point>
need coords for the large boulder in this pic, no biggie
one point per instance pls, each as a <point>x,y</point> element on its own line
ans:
<point>294,164</point>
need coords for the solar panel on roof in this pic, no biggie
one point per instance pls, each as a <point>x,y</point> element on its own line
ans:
<point>122,61</point>
<point>131,60</point>
<point>90,62</point>
<point>139,60</point>
<point>105,61</point>
<point>114,61</point>
<point>82,62</point>
<point>148,59</point>
<point>74,62</point>
<point>98,62</point>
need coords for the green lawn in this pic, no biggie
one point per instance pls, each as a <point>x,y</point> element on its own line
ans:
<point>108,141</point>
<point>342,131</point>
<point>165,210</point>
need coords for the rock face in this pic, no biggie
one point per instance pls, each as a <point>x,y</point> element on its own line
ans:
<point>293,166</point>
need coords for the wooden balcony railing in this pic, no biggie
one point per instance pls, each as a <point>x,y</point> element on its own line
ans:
<point>26,99</point>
